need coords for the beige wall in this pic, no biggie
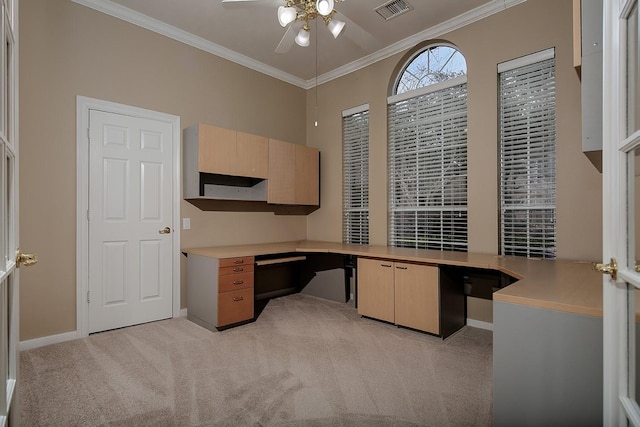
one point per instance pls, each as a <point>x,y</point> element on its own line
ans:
<point>521,30</point>
<point>68,50</point>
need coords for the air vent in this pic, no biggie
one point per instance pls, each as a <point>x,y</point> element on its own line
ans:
<point>393,9</point>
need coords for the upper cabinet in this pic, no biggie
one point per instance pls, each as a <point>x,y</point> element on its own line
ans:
<point>227,152</point>
<point>588,57</point>
<point>226,165</point>
<point>252,155</point>
<point>294,174</point>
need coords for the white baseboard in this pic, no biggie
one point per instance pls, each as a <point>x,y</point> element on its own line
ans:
<point>480,324</point>
<point>183,312</point>
<point>51,339</point>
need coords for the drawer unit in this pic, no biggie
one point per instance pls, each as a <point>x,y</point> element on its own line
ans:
<point>233,282</point>
<point>219,291</point>
<point>235,306</point>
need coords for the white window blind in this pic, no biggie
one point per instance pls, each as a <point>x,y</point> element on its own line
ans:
<point>355,129</point>
<point>528,160</point>
<point>428,170</point>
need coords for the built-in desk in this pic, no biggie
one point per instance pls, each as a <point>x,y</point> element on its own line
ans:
<point>547,328</point>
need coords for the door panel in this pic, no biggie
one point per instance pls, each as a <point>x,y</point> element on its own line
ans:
<point>9,275</point>
<point>621,146</point>
<point>130,194</point>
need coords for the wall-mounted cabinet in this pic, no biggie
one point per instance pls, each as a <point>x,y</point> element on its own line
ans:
<point>223,165</point>
<point>587,56</point>
<point>294,174</point>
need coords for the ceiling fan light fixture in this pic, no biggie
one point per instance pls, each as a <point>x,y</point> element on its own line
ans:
<point>286,15</point>
<point>302,39</point>
<point>324,7</point>
<point>336,27</point>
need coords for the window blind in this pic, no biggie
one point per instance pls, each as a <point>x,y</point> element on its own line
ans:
<point>428,170</point>
<point>527,119</point>
<point>355,129</point>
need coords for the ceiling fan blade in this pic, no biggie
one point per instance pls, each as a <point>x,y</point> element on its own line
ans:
<point>357,34</point>
<point>287,40</point>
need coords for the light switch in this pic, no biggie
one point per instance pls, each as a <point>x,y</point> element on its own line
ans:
<point>186,223</point>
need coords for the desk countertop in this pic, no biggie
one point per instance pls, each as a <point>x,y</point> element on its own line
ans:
<point>569,286</point>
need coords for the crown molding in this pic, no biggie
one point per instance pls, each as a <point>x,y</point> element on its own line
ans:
<point>144,21</point>
<point>459,21</point>
<point>152,24</point>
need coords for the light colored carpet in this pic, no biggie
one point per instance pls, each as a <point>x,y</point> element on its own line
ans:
<point>305,361</point>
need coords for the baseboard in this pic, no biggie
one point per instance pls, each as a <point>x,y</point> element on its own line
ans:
<point>51,339</point>
<point>183,312</point>
<point>480,324</point>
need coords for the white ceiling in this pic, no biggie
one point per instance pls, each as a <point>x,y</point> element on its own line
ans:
<point>247,32</point>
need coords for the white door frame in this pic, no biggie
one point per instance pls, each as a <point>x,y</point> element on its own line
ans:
<point>84,105</point>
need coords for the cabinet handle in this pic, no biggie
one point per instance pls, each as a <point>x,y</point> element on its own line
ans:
<point>238,269</point>
<point>401,268</point>
<point>238,282</point>
<point>238,261</point>
<point>385,265</point>
<point>237,299</point>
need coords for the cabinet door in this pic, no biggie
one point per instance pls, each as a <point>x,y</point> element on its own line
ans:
<point>417,297</point>
<point>281,184</point>
<point>307,176</point>
<point>216,150</point>
<point>252,153</point>
<point>375,289</point>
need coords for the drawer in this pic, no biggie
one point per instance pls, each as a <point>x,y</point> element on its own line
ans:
<point>229,262</point>
<point>232,282</point>
<point>235,306</point>
<point>236,269</point>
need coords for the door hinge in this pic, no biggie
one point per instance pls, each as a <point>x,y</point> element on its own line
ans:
<point>88,299</point>
<point>88,217</point>
<point>89,134</point>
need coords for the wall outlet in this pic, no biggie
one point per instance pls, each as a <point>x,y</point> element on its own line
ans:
<point>186,223</point>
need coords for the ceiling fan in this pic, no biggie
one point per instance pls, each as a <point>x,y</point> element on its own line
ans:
<point>295,15</point>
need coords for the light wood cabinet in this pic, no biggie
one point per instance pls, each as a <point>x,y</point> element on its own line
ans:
<point>307,176</point>
<point>220,292</point>
<point>252,155</point>
<point>227,152</point>
<point>282,172</point>
<point>417,297</point>
<point>294,174</point>
<point>376,289</point>
<point>401,293</point>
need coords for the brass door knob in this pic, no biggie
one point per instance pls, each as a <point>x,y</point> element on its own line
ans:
<point>165,230</point>
<point>25,259</point>
<point>611,268</point>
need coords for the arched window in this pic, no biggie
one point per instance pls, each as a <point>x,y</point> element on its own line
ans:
<point>427,115</point>
<point>432,65</point>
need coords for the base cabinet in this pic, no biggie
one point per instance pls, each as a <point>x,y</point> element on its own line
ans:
<point>376,289</point>
<point>219,291</point>
<point>417,297</point>
<point>401,293</point>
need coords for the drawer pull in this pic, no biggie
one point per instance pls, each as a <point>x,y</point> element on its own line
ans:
<point>401,268</point>
<point>238,261</point>
<point>385,265</point>
<point>238,269</point>
<point>238,282</point>
<point>238,299</point>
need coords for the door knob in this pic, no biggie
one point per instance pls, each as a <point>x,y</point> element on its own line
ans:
<point>611,268</point>
<point>25,259</point>
<point>165,230</point>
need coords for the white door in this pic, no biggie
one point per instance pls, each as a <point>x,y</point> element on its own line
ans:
<point>9,276</point>
<point>621,210</point>
<point>130,215</point>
